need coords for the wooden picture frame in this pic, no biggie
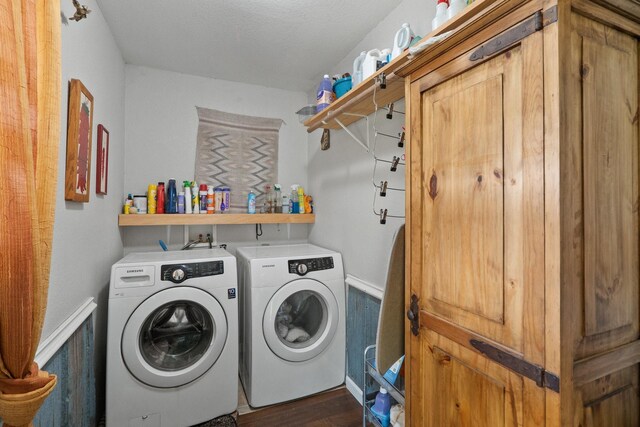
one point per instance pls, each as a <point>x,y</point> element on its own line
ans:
<point>79,132</point>
<point>102,160</point>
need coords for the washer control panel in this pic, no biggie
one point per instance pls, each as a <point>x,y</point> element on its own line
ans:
<point>304,266</point>
<point>178,273</point>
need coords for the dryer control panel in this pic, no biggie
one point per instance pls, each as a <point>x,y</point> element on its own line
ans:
<point>304,266</point>
<point>178,273</point>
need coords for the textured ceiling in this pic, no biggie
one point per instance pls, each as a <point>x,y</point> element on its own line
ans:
<point>276,43</point>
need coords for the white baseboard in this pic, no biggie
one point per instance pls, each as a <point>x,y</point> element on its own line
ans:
<point>56,340</point>
<point>354,389</point>
<point>364,286</point>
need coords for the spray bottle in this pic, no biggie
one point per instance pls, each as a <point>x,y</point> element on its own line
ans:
<point>187,197</point>
<point>195,197</point>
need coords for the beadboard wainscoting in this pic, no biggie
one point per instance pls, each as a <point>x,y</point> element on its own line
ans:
<point>69,353</point>
<point>363,308</point>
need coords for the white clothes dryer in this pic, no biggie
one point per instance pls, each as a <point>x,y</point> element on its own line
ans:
<point>172,340</point>
<point>292,322</point>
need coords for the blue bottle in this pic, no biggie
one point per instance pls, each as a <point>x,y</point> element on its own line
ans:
<point>382,407</point>
<point>172,198</point>
<point>251,203</point>
<point>325,94</point>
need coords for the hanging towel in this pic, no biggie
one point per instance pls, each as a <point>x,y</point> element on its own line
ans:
<point>390,337</point>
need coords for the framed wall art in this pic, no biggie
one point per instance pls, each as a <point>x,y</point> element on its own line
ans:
<point>79,126</point>
<point>102,160</point>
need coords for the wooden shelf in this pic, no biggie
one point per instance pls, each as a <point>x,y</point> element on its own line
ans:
<point>359,101</point>
<point>133,220</point>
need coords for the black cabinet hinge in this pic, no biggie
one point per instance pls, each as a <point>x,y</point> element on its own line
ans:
<point>534,23</point>
<point>520,366</point>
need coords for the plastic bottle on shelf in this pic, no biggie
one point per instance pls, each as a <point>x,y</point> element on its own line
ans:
<point>195,197</point>
<point>382,407</point>
<point>251,202</point>
<point>203,198</point>
<point>151,199</point>
<point>300,200</point>
<point>181,202</point>
<point>325,94</point>
<point>356,78</point>
<point>211,203</point>
<point>172,197</point>
<point>226,198</point>
<point>294,206</point>
<point>277,202</point>
<point>160,198</point>
<point>187,197</point>
<point>370,64</point>
<point>441,14</point>
<point>402,40</point>
<point>285,204</point>
<point>268,200</point>
<point>455,7</point>
<point>218,200</point>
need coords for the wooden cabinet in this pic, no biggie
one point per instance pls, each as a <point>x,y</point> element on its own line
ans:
<point>523,204</point>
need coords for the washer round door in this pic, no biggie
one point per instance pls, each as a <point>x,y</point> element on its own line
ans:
<point>174,337</point>
<point>300,320</point>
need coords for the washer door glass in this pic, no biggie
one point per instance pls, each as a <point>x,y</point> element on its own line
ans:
<point>300,320</point>
<point>174,337</point>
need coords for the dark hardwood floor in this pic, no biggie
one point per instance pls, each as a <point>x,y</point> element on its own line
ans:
<point>334,408</point>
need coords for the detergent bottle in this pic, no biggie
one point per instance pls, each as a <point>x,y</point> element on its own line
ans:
<point>325,94</point>
<point>382,407</point>
<point>370,64</point>
<point>356,77</point>
<point>402,40</point>
<point>455,7</point>
<point>441,14</point>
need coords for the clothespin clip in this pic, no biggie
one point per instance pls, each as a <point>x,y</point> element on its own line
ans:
<point>383,216</point>
<point>401,141</point>
<point>390,113</point>
<point>394,163</point>
<point>383,188</point>
<point>382,79</point>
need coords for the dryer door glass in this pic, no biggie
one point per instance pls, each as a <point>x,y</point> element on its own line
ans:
<point>176,335</point>
<point>301,319</point>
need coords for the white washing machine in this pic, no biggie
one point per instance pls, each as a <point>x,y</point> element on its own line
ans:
<point>292,322</point>
<point>172,344</point>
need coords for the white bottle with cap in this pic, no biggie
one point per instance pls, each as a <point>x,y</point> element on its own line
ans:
<point>402,40</point>
<point>455,7</point>
<point>441,14</point>
<point>356,78</point>
<point>370,64</point>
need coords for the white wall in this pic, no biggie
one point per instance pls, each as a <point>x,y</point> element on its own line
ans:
<point>161,130</point>
<point>341,178</point>
<point>86,239</point>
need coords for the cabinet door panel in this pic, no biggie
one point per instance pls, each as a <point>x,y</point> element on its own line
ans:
<point>606,69</point>
<point>466,389</point>
<point>483,202</point>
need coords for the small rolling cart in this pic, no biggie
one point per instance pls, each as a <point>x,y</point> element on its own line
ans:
<point>373,380</point>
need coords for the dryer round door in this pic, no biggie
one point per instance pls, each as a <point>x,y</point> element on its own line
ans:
<point>300,320</point>
<point>174,337</point>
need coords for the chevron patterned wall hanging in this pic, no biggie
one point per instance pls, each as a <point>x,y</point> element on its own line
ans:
<point>237,151</point>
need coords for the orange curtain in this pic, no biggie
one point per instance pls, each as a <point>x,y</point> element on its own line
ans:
<point>29,137</point>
